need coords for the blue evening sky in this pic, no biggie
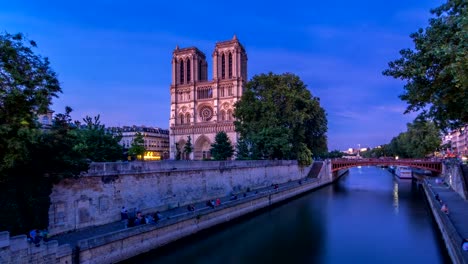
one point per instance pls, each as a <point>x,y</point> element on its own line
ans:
<point>113,58</point>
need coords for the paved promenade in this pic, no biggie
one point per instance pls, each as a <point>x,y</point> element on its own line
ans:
<point>458,207</point>
<point>72,238</point>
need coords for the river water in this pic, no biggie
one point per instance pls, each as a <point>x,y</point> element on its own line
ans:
<point>368,216</point>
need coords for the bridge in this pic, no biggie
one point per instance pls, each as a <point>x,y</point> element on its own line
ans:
<point>432,165</point>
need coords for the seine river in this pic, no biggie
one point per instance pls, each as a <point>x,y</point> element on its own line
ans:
<point>367,217</point>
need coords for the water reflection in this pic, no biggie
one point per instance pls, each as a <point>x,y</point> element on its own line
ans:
<point>395,196</point>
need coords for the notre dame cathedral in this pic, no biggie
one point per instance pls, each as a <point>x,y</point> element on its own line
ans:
<point>200,108</point>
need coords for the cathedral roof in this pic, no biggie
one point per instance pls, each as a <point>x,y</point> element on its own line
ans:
<point>188,50</point>
<point>230,42</point>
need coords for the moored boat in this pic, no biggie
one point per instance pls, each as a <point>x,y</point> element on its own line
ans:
<point>403,172</point>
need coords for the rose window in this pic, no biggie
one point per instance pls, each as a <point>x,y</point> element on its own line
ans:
<point>206,113</point>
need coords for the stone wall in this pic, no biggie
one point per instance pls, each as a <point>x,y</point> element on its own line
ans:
<point>18,250</point>
<point>453,173</point>
<point>126,243</point>
<point>96,198</point>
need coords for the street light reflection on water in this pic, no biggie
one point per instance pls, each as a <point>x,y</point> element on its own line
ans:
<point>395,196</point>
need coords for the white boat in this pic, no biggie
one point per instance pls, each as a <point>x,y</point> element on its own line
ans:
<point>403,172</point>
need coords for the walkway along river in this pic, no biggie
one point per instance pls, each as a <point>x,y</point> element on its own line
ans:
<point>369,216</point>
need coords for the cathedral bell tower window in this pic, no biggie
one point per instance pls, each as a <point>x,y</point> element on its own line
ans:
<point>223,67</point>
<point>188,71</point>
<point>230,65</point>
<point>181,71</point>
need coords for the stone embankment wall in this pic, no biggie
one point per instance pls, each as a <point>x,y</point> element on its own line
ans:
<point>18,250</point>
<point>453,173</point>
<point>97,197</point>
<point>452,239</point>
<point>126,243</point>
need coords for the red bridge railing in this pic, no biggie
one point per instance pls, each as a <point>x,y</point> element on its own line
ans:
<point>432,165</point>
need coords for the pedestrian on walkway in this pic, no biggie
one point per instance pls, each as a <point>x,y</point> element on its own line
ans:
<point>123,213</point>
<point>465,244</point>
<point>445,209</point>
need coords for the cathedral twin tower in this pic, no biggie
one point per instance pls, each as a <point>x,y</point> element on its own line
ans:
<point>200,108</point>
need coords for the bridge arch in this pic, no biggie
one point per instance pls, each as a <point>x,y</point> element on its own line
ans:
<point>431,165</point>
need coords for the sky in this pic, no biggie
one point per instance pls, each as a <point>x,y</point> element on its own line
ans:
<point>113,58</point>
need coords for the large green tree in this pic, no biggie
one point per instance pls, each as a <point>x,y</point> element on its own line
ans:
<point>421,139</point>
<point>280,118</point>
<point>31,159</point>
<point>27,86</point>
<point>436,70</point>
<point>222,148</point>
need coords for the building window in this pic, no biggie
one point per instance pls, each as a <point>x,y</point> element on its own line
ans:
<point>221,91</point>
<point>223,65</point>
<point>204,92</point>
<point>181,72</point>
<point>187,118</point>
<point>229,114</point>
<point>223,115</point>
<point>230,65</point>
<point>199,70</point>
<point>230,91</point>
<point>181,119</point>
<point>188,71</point>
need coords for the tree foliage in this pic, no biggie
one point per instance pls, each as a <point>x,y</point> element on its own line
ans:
<point>242,150</point>
<point>137,148</point>
<point>420,139</point>
<point>97,143</point>
<point>188,147</point>
<point>280,119</point>
<point>27,86</point>
<point>32,159</point>
<point>436,70</point>
<point>178,152</point>
<point>222,148</point>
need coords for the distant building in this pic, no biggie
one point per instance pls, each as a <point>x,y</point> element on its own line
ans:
<point>46,119</point>
<point>457,140</point>
<point>156,140</point>
<point>200,108</point>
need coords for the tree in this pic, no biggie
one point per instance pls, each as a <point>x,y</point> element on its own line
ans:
<point>137,148</point>
<point>97,143</point>
<point>188,148</point>
<point>242,150</point>
<point>222,149</point>
<point>424,138</point>
<point>27,85</point>
<point>31,159</point>
<point>25,190</point>
<point>178,152</point>
<point>280,118</point>
<point>421,139</point>
<point>436,70</point>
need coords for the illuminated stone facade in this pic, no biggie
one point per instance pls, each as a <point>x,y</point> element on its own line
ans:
<point>156,140</point>
<point>200,108</point>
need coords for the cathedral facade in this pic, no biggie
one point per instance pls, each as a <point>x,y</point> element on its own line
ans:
<point>200,108</point>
